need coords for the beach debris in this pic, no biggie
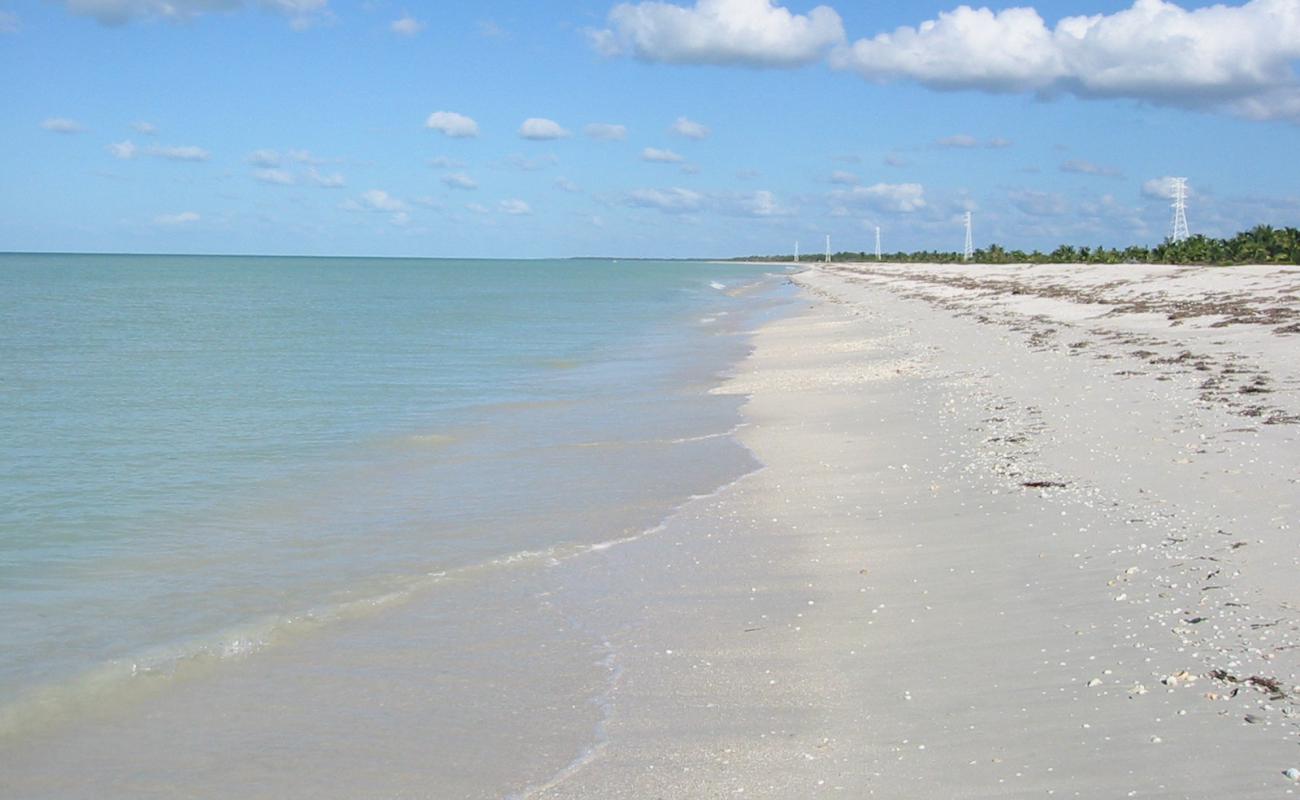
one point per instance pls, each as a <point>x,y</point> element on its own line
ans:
<point>1292,773</point>
<point>1094,682</point>
<point>1156,740</point>
<point>1138,689</point>
<point>1253,719</point>
<point>1043,484</point>
<point>1178,678</point>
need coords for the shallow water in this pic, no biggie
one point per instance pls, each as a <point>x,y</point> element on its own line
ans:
<point>328,487</point>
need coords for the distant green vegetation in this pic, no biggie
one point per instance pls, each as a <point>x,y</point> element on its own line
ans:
<point>1262,244</point>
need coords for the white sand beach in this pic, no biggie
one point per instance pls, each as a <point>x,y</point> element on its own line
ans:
<point>1021,532</point>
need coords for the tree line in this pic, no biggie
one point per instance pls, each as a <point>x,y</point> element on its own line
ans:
<point>1262,244</point>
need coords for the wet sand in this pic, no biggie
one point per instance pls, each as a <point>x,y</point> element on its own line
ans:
<point>1021,532</point>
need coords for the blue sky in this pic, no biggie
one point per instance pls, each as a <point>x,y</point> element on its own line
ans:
<point>694,128</point>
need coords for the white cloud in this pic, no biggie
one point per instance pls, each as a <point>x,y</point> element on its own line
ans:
<point>1162,188</point>
<point>9,22</point>
<point>276,176</point>
<point>1082,167</point>
<point>183,218</point>
<point>661,156</point>
<point>690,129</point>
<point>123,150</point>
<point>477,208</point>
<point>128,150</point>
<point>333,180</point>
<point>1228,58</point>
<point>887,197</point>
<point>264,158</point>
<point>301,13</point>
<point>895,160</point>
<point>144,128</point>
<point>180,153</point>
<point>960,140</point>
<point>761,203</point>
<point>459,180</point>
<point>452,124</point>
<point>443,162</point>
<point>605,131</point>
<point>751,32</point>
<point>566,185</point>
<point>966,141</point>
<point>406,26</point>
<point>379,200</point>
<point>515,207</point>
<point>62,125</point>
<point>844,177</point>
<point>540,129</point>
<point>675,200</point>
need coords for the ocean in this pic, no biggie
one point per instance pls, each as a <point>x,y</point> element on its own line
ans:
<point>266,520</point>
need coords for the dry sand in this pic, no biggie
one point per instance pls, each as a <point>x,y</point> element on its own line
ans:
<point>1021,532</point>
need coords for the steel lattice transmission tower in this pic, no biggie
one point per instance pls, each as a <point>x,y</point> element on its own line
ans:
<point>969,251</point>
<point>1179,228</point>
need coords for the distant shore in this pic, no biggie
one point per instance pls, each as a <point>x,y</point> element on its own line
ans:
<point>1020,532</point>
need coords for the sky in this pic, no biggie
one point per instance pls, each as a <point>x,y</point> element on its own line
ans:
<point>694,128</point>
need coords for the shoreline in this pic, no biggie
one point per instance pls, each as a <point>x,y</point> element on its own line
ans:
<point>975,563</point>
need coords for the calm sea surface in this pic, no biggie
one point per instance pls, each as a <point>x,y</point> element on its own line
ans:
<point>204,458</point>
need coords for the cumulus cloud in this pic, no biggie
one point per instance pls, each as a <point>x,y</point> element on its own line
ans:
<point>452,124</point>
<point>179,153</point>
<point>123,150</point>
<point>1229,58</point>
<point>690,129</point>
<point>459,180</point>
<point>1162,188</point>
<point>515,207</point>
<point>128,150</point>
<point>756,33</point>
<point>333,180</point>
<point>1081,167</point>
<point>380,200</point>
<point>541,129</point>
<point>761,203</point>
<point>661,156</point>
<point>278,177</point>
<point>672,201</point>
<point>606,132</point>
<point>965,141</point>
<point>183,218</point>
<point>301,13</point>
<point>901,198</point>
<point>62,125</point>
<point>264,158</point>
<point>406,26</point>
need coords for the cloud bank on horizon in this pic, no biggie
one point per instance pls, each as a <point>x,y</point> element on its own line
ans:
<point>1227,58</point>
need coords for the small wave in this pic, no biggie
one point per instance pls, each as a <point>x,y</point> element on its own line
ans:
<point>719,286</point>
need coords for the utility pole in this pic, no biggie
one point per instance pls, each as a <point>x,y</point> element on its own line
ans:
<point>796,251</point>
<point>1179,227</point>
<point>877,242</point>
<point>828,248</point>
<point>969,251</point>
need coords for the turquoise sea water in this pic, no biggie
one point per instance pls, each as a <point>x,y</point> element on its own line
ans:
<point>203,456</point>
